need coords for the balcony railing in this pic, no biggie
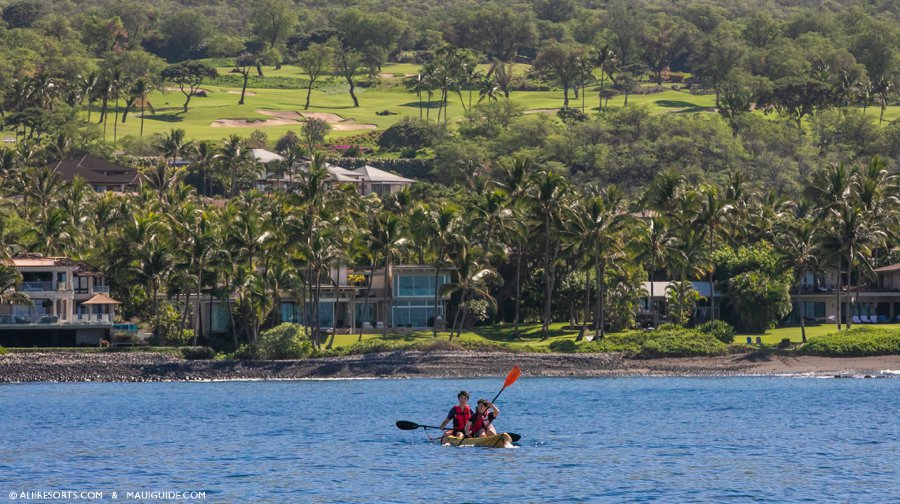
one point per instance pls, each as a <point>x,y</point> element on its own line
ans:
<point>102,288</point>
<point>36,286</point>
<point>6,320</point>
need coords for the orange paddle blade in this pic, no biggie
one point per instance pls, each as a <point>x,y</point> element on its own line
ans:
<point>512,376</point>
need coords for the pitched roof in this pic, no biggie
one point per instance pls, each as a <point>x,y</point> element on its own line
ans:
<point>264,156</point>
<point>342,174</point>
<point>96,170</point>
<point>373,174</point>
<point>100,299</point>
<point>888,269</point>
<point>30,260</point>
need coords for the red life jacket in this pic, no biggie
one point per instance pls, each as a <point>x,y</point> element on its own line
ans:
<point>478,422</point>
<point>461,417</point>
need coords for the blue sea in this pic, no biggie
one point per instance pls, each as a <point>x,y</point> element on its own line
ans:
<point>748,439</point>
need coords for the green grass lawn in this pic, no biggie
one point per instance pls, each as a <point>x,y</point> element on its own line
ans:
<point>531,335</point>
<point>501,333</point>
<point>773,337</point>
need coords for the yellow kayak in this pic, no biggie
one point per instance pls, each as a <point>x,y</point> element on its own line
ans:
<point>501,440</point>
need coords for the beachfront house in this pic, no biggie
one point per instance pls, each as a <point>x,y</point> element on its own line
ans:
<point>365,179</point>
<point>874,302</point>
<point>348,301</point>
<point>655,298</point>
<point>69,304</point>
<point>100,174</point>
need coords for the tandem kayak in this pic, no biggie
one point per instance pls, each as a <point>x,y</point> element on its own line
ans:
<point>501,440</point>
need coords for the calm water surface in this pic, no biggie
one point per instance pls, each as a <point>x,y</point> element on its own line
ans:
<point>585,440</point>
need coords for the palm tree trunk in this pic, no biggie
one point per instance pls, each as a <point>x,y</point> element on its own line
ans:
<point>387,303</point>
<point>599,318</point>
<point>548,288</point>
<point>587,305</point>
<point>802,306</point>
<point>197,326</point>
<point>712,289</point>
<point>366,301</point>
<point>435,313</point>
<point>839,281</point>
<point>653,304</point>
<point>849,297</point>
<point>518,285</point>
<point>142,117</point>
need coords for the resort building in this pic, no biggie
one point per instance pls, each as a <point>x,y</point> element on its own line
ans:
<point>871,303</point>
<point>69,304</point>
<point>102,175</point>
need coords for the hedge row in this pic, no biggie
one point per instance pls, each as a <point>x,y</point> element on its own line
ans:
<point>859,341</point>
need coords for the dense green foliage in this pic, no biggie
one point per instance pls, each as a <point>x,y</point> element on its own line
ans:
<point>286,341</point>
<point>666,341</point>
<point>856,342</point>
<point>198,353</point>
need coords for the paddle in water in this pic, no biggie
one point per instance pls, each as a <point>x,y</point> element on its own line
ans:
<point>407,425</point>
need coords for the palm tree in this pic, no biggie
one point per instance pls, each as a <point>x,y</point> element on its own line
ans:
<point>203,157</point>
<point>599,229</point>
<point>9,280</point>
<point>517,181</point>
<point>173,144</point>
<point>714,213</point>
<point>441,222</point>
<point>655,247</point>
<point>388,237</point>
<point>475,278</point>
<point>830,189</point>
<point>234,156</point>
<point>800,254</point>
<point>550,207</point>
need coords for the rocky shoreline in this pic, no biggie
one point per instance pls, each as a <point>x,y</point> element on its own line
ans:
<point>141,366</point>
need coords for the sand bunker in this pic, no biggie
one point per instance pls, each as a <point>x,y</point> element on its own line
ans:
<point>241,123</point>
<point>287,117</point>
<point>542,111</point>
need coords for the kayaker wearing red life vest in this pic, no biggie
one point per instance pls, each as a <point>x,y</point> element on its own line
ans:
<point>459,415</point>
<point>481,423</point>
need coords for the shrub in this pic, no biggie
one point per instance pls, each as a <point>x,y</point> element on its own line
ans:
<point>198,353</point>
<point>3,350</point>
<point>285,341</point>
<point>668,340</point>
<point>245,352</point>
<point>855,342</point>
<point>718,329</point>
<point>564,346</point>
<point>409,133</point>
<point>568,115</point>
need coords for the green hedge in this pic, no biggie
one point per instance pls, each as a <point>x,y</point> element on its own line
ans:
<point>3,350</point>
<point>667,341</point>
<point>855,342</point>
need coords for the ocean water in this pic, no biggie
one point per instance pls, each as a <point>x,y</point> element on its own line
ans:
<point>584,440</point>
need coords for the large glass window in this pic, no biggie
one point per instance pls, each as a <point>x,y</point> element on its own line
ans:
<point>415,313</point>
<point>417,285</point>
<point>221,319</point>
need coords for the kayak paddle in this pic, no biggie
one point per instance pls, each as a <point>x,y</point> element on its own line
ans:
<point>405,425</point>
<point>511,378</point>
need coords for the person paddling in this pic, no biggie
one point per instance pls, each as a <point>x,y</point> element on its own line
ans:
<point>459,415</point>
<point>481,422</point>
